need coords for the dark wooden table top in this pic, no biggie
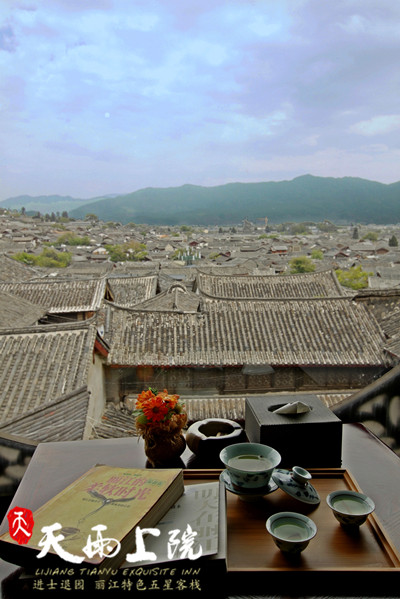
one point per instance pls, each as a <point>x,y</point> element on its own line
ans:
<point>375,467</point>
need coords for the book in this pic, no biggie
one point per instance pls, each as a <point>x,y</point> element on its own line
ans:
<point>118,498</point>
<point>203,508</point>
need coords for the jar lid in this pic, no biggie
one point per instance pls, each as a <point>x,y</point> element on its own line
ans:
<point>296,483</point>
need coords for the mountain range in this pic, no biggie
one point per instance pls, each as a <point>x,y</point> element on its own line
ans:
<point>304,198</point>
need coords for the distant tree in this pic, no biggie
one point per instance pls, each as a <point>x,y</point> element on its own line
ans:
<point>136,251</point>
<point>91,216</point>
<point>298,229</point>
<point>48,258</point>
<point>23,211</point>
<point>371,236</point>
<point>301,264</point>
<point>116,253</point>
<point>64,214</point>
<point>355,277</point>
<point>132,251</point>
<point>355,233</point>
<point>393,243</point>
<point>69,238</point>
<point>317,255</point>
<point>326,226</point>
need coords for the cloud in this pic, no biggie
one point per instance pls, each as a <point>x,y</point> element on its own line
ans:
<point>377,125</point>
<point>204,87</point>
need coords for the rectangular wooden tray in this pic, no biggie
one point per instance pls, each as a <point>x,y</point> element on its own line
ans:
<point>367,558</point>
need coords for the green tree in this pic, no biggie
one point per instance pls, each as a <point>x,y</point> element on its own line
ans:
<point>301,264</point>
<point>354,278</point>
<point>136,251</point>
<point>132,251</point>
<point>92,216</point>
<point>48,258</point>
<point>298,229</point>
<point>371,236</point>
<point>393,243</point>
<point>317,255</point>
<point>116,253</point>
<point>326,226</point>
<point>70,239</point>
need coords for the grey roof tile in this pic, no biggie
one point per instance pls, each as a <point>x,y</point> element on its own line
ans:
<point>12,271</point>
<point>40,364</point>
<point>61,296</point>
<point>61,420</point>
<point>311,285</point>
<point>329,332</point>
<point>17,312</point>
<point>131,290</point>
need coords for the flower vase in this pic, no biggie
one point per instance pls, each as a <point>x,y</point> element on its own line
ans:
<point>163,447</point>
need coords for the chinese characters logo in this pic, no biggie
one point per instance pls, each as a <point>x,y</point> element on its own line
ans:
<point>20,523</point>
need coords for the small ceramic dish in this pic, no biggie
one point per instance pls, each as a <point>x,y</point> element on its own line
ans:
<point>296,483</point>
<point>291,531</point>
<point>350,508</point>
<point>247,494</point>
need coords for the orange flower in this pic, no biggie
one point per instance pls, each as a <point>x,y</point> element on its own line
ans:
<point>155,409</point>
<point>143,397</point>
<point>159,409</point>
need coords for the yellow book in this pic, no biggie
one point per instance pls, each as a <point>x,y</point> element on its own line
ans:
<point>119,498</point>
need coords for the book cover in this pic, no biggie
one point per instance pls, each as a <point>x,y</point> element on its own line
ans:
<point>202,508</point>
<point>118,498</point>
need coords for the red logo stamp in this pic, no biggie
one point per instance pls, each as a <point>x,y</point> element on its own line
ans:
<point>20,524</point>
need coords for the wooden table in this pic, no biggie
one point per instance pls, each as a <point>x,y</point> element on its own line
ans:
<point>375,467</point>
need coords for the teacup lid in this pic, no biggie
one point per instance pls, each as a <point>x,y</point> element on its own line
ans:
<point>296,483</point>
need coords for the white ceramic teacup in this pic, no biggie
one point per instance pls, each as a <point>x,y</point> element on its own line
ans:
<point>250,465</point>
<point>350,508</point>
<point>291,531</point>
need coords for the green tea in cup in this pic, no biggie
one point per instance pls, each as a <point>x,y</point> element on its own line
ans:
<point>250,463</point>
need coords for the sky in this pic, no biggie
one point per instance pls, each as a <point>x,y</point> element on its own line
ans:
<point>109,96</point>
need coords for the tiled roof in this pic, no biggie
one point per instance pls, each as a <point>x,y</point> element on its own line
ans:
<point>176,299</point>
<point>41,364</point>
<point>11,270</point>
<point>330,332</point>
<point>61,296</point>
<point>17,312</point>
<point>131,290</point>
<point>86,269</point>
<point>61,420</point>
<point>310,285</point>
<point>114,423</point>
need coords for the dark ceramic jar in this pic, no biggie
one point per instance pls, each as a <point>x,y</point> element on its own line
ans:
<point>209,436</point>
